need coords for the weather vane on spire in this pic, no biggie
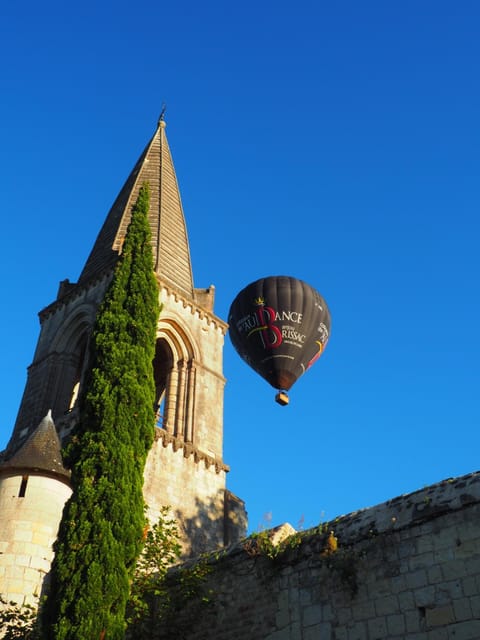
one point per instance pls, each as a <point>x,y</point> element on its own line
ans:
<point>161,117</point>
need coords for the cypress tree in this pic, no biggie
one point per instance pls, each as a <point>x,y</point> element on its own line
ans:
<point>100,535</point>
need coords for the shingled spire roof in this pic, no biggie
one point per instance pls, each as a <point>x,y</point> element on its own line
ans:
<point>41,452</point>
<point>171,252</point>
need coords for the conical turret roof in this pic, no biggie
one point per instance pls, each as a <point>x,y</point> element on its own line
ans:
<point>41,452</point>
<point>171,251</point>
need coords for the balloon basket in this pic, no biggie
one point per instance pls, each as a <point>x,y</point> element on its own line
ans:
<point>282,398</point>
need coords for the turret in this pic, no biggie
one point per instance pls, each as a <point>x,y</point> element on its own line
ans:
<point>34,486</point>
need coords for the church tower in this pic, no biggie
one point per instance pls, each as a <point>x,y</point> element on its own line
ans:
<point>185,467</point>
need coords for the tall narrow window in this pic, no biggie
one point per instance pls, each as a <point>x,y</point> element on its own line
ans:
<point>23,487</point>
<point>74,398</point>
<point>160,410</point>
<point>79,359</point>
<point>162,365</point>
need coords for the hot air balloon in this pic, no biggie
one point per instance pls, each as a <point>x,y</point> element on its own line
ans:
<point>280,326</point>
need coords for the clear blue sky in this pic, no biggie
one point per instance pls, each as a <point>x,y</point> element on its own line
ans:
<point>335,142</point>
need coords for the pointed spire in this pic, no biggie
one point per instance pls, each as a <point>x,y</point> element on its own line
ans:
<point>171,251</point>
<point>41,452</point>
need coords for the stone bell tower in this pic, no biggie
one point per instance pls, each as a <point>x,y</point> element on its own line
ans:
<point>185,467</point>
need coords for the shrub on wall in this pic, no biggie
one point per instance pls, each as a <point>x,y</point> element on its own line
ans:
<point>161,592</point>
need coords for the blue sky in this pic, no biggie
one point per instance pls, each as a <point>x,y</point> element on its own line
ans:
<point>334,142</point>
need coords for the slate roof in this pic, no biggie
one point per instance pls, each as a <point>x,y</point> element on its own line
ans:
<point>171,251</point>
<point>41,452</point>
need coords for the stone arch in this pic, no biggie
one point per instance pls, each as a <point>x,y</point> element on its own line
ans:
<point>175,379</point>
<point>179,337</point>
<point>70,350</point>
<point>73,327</point>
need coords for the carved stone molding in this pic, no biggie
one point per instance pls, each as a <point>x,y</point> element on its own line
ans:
<point>190,449</point>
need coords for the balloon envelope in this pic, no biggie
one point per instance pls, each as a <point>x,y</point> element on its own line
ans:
<point>280,326</point>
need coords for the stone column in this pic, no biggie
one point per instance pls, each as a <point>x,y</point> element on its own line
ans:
<point>180,413</point>
<point>170,400</point>
<point>190,402</point>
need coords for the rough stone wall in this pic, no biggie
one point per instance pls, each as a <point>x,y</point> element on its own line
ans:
<point>49,379</point>
<point>185,468</point>
<point>29,527</point>
<point>193,488</point>
<point>406,569</point>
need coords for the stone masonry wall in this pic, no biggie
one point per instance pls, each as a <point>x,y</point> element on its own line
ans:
<point>28,529</point>
<point>408,569</point>
<point>194,490</point>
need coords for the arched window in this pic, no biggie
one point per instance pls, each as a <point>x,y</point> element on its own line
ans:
<point>68,361</point>
<point>78,363</point>
<point>174,368</point>
<point>162,367</point>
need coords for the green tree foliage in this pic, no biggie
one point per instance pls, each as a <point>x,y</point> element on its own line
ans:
<point>18,621</point>
<point>161,551</point>
<point>166,600</point>
<point>101,532</point>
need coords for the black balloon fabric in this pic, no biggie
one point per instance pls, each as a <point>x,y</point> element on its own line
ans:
<point>280,326</point>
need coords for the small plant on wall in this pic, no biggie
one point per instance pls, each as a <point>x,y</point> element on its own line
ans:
<point>159,592</point>
<point>342,562</point>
